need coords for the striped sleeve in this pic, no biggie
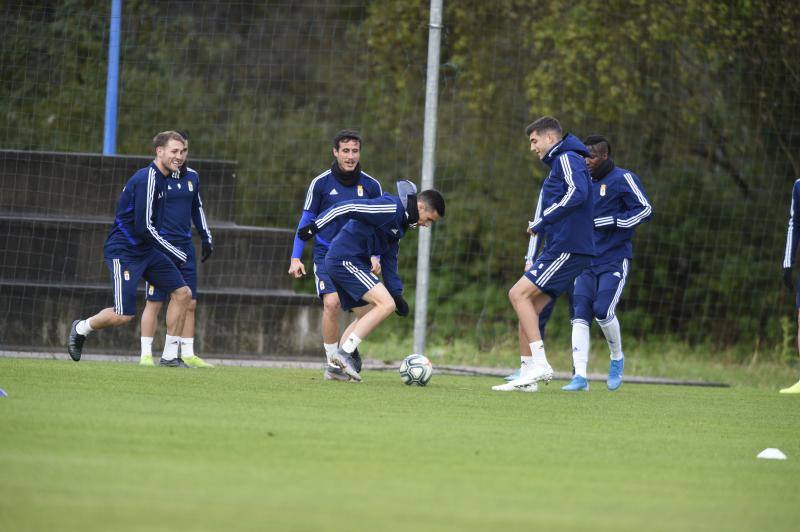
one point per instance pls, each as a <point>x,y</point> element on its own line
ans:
<point>374,212</point>
<point>638,208</point>
<point>150,230</point>
<point>535,239</point>
<point>793,230</point>
<point>576,193</point>
<point>199,215</point>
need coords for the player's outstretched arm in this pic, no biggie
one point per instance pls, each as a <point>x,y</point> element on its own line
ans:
<point>374,212</point>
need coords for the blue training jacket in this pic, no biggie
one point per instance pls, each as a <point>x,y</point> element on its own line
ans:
<point>793,232</point>
<point>620,204</point>
<point>183,207</point>
<point>370,227</point>
<point>564,213</point>
<point>140,209</point>
<point>323,192</point>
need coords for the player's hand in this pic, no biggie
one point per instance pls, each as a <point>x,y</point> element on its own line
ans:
<point>531,230</point>
<point>296,268</point>
<point>307,232</point>
<point>528,265</point>
<point>401,307</point>
<point>208,249</point>
<point>788,279</point>
<point>376,265</point>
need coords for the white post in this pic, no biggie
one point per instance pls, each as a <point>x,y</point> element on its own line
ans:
<point>428,165</point>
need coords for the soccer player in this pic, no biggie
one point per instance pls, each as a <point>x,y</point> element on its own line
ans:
<point>565,217</point>
<point>372,226</point>
<point>134,249</point>
<point>789,254</point>
<point>620,204</point>
<point>343,181</point>
<point>183,206</point>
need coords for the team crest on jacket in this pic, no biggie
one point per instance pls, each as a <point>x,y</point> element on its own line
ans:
<point>127,275</point>
<point>602,190</point>
<point>191,187</point>
<point>360,191</point>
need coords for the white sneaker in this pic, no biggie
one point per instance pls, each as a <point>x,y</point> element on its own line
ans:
<point>509,387</point>
<point>534,374</point>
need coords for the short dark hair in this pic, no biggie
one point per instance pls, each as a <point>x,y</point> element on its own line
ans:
<point>345,135</point>
<point>545,123</point>
<point>601,142</point>
<point>432,199</point>
<point>163,138</point>
<point>183,133</point>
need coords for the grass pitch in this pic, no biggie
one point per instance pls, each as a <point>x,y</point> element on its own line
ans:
<point>105,446</point>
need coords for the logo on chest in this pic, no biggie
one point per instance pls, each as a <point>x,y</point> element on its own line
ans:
<point>191,187</point>
<point>333,193</point>
<point>602,190</point>
<point>360,191</point>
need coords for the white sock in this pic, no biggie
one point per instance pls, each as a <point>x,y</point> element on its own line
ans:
<point>537,350</point>
<point>171,347</point>
<point>187,347</point>
<point>351,343</point>
<point>525,361</point>
<point>84,327</point>
<point>580,348</point>
<point>614,338</point>
<point>330,350</point>
<point>147,346</point>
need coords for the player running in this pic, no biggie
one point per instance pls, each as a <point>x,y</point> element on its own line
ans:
<point>134,249</point>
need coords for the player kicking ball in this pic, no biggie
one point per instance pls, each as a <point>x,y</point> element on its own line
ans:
<point>564,215</point>
<point>371,227</point>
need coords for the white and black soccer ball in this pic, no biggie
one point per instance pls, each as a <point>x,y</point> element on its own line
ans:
<point>416,369</point>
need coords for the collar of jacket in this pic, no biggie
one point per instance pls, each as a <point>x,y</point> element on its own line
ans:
<point>603,170</point>
<point>412,210</point>
<point>347,179</point>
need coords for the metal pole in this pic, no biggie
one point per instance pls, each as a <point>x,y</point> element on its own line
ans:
<point>428,165</point>
<point>112,81</point>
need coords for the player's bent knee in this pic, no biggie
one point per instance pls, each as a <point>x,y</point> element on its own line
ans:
<point>181,295</point>
<point>192,305</point>
<point>331,304</point>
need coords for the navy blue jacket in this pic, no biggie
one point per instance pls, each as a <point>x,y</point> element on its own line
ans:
<point>620,204</point>
<point>793,232</point>
<point>370,227</point>
<point>183,206</point>
<point>565,211</point>
<point>140,208</point>
<point>323,192</point>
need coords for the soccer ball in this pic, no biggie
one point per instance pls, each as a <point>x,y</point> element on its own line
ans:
<point>416,369</point>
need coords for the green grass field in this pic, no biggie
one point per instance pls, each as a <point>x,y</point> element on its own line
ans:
<point>106,446</point>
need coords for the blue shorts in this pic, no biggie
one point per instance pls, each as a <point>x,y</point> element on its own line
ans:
<point>322,280</point>
<point>597,291</point>
<point>555,273</point>
<point>188,271</point>
<point>155,267</point>
<point>352,279</point>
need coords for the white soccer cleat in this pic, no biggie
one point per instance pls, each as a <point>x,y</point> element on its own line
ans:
<point>534,374</point>
<point>509,387</point>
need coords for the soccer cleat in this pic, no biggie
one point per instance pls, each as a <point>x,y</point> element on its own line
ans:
<point>344,361</point>
<point>335,373</point>
<point>795,388</point>
<point>174,363</point>
<point>514,376</point>
<point>197,362</point>
<point>577,384</point>
<point>75,342</point>
<point>615,369</point>
<point>356,360</point>
<point>146,360</point>
<point>534,374</point>
<point>510,387</point>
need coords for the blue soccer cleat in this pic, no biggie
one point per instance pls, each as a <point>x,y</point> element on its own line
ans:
<point>577,384</point>
<point>514,376</point>
<point>615,373</point>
